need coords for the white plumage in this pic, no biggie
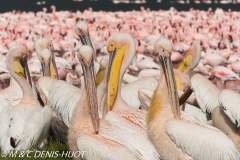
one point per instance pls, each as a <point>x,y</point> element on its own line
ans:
<point>62,97</point>
<point>3,102</point>
<point>35,131</point>
<point>205,92</point>
<point>192,139</point>
<point>140,147</point>
<point>27,123</point>
<point>129,92</point>
<point>230,101</point>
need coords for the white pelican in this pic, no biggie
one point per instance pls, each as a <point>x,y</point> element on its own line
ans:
<point>44,43</point>
<point>219,105</point>
<point>191,59</point>
<point>82,31</point>
<point>129,91</point>
<point>174,136</point>
<point>114,141</point>
<point>228,100</point>
<point>58,128</point>
<point>122,50</point>
<point>25,125</point>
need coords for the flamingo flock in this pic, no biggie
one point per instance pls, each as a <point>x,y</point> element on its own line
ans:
<point>122,85</point>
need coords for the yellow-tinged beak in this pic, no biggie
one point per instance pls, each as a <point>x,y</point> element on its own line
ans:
<point>100,76</point>
<point>53,68</point>
<point>21,68</point>
<point>186,62</point>
<point>116,58</point>
<point>169,76</point>
<point>48,70</point>
<point>178,82</point>
<point>52,71</point>
<point>89,78</point>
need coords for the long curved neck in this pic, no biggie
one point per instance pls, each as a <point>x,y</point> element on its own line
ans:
<point>82,107</point>
<point>160,100</point>
<point>26,88</point>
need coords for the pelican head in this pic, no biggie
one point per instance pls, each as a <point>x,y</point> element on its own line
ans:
<point>164,48</point>
<point>85,57</point>
<point>191,59</point>
<point>18,55</point>
<point>82,31</point>
<point>45,57</point>
<point>44,43</point>
<point>41,44</point>
<point>122,50</point>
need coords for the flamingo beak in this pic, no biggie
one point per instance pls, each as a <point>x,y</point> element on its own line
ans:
<point>89,78</point>
<point>166,64</point>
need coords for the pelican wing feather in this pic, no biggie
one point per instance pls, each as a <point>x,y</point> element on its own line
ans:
<point>35,129</point>
<point>230,100</point>
<point>129,92</point>
<point>201,141</point>
<point>121,134</point>
<point>63,98</point>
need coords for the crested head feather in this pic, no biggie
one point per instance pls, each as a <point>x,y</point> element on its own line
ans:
<point>46,53</point>
<point>41,44</point>
<point>85,52</point>
<point>17,51</point>
<point>164,43</point>
<point>195,50</point>
<point>122,38</point>
<point>83,27</point>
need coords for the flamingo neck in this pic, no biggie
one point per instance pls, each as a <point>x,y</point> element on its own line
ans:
<point>25,86</point>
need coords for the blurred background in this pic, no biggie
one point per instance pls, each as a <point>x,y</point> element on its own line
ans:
<point>214,24</point>
<point>116,5</point>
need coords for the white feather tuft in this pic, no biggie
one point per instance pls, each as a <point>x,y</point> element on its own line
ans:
<point>3,102</point>
<point>63,98</point>
<point>129,92</point>
<point>201,141</point>
<point>230,101</point>
<point>205,92</point>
